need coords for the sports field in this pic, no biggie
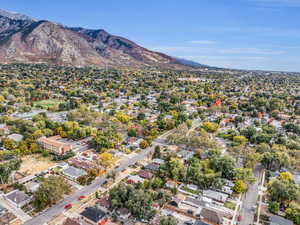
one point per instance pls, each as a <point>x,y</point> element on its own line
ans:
<point>45,104</point>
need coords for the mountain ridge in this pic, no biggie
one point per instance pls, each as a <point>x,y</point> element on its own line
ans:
<point>24,40</point>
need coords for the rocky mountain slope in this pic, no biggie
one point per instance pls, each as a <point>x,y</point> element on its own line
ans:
<point>25,40</point>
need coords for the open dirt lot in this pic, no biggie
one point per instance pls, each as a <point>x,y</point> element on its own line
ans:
<point>33,164</point>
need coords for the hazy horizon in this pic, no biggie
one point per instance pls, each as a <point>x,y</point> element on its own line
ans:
<point>244,34</point>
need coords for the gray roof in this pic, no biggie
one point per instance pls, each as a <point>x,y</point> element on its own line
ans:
<point>215,195</point>
<point>185,154</point>
<point>15,137</point>
<point>158,161</point>
<point>152,166</point>
<point>32,186</point>
<point>74,172</point>
<point>278,220</point>
<point>194,202</point>
<point>17,196</point>
<point>297,179</point>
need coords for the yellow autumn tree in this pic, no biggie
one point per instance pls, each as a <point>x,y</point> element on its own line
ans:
<point>106,159</point>
<point>286,176</point>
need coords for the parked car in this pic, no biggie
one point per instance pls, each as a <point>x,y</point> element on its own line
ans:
<point>68,206</point>
<point>81,197</point>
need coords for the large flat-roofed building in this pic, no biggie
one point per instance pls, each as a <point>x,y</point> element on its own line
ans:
<point>53,144</point>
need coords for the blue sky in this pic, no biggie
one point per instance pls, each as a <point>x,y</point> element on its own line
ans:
<point>247,34</point>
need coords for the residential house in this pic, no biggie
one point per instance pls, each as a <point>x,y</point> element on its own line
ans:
<point>134,142</point>
<point>192,205</point>
<point>70,221</point>
<point>276,123</point>
<point>215,195</point>
<point>228,183</point>
<point>173,148</point>
<point>4,130</point>
<point>94,215</point>
<point>32,186</point>
<point>192,187</point>
<point>18,198</point>
<point>225,189</point>
<point>73,173</point>
<point>158,161</point>
<point>15,137</point>
<point>88,155</point>
<point>283,116</point>
<point>123,213</point>
<point>171,184</point>
<point>145,174</point>
<point>82,164</point>
<point>210,216</point>
<point>135,179</point>
<point>53,144</point>
<point>104,203</point>
<point>278,220</point>
<point>63,165</point>
<point>152,167</point>
<point>184,154</point>
<point>297,179</point>
<point>225,122</point>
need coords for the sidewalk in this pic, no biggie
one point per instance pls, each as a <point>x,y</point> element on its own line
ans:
<point>15,210</point>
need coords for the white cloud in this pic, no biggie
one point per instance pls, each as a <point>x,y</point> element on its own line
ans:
<point>203,42</point>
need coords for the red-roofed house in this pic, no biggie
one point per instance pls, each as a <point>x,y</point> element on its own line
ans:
<point>218,102</point>
<point>145,174</point>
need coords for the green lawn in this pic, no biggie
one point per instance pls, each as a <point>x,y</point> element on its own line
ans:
<point>230,205</point>
<point>195,192</point>
<point>45,104</point>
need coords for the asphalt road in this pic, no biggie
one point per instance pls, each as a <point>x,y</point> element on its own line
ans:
<point>250,199</point>
<point>57,209</point>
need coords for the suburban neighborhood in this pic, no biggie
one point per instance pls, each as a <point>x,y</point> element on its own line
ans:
<point>171,148</point>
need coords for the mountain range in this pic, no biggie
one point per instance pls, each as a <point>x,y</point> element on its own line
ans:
<point>26,40</point>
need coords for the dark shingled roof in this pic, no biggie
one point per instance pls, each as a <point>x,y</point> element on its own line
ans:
<point>93,214</point>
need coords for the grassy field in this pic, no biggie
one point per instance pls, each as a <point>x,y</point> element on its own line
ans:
<point>45,104</point>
